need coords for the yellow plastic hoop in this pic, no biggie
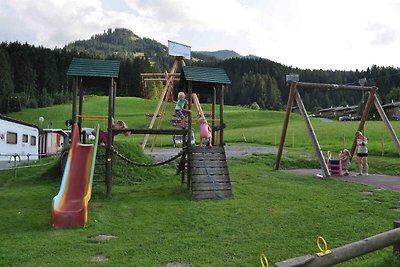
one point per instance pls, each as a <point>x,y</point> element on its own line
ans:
<point>263,259</point>
<point>322,251</point>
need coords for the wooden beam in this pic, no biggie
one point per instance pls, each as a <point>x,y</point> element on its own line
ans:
<point>364,117</point>
<point>346,252</point>
<point>158,80</point>
<point>159,74</point>
<point>74,93</point>
<point>312,134</point>
<point>221,116</point>
<point>387,123</point>
<point>109,147</point>
<point>289,105</point>
<point>327,86</point>
<point>171,131</point>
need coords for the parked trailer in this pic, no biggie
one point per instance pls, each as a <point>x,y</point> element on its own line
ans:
<point>18,139</point>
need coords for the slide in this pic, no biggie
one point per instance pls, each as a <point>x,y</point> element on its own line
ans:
<point>70,205</point>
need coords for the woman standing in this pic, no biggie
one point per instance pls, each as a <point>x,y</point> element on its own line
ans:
<point>362,153</point>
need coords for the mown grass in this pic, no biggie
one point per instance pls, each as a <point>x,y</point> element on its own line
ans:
<point>155,221</point>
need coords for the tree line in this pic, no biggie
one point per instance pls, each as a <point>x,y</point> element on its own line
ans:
<point>36,77</point>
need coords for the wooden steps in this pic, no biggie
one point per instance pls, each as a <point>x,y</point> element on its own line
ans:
<point>208,172</point>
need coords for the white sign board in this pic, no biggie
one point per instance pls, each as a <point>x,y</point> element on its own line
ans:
<point>178,50</point>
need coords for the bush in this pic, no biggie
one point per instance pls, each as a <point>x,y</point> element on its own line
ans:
<point>255,106</point>
<point>32,103</point>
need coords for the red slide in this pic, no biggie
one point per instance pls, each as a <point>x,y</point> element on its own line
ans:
<point>70,204</point>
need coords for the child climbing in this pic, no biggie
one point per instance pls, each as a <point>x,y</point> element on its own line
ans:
<point>205,132</point>
<point>103,135</point>
<point>180,108</point>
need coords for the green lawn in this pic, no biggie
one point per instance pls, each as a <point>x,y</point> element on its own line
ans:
<point>155,221</point>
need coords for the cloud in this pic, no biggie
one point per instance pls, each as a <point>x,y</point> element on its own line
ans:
<point>331,34</point>
<point>383,35</point>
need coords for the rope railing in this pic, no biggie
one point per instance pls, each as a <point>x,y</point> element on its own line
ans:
<point>121,156</point>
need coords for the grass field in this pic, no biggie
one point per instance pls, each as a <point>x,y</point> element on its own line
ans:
<point>156,223</point>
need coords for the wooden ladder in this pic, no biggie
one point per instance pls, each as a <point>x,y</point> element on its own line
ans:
<point>208,173</point>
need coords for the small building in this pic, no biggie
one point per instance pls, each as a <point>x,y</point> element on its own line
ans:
<point>392,110</point>
<point>52,141</point>
<point>347,110</point>
<point>18,139</point>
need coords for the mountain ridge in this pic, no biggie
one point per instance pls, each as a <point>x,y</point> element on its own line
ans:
<point>122,42</point>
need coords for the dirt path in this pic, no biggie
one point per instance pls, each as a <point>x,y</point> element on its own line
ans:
<point>376,180</point>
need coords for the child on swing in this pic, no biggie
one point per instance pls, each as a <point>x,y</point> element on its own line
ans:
<point>180,110</point>
<point>205,132</point>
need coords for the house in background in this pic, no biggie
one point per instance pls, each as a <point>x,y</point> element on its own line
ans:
<point>350,111</point>
<point>392,110</point>
<point>18,138</point>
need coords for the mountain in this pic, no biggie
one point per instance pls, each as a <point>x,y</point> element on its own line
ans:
<point>221,54</point>
<point>123,43</point>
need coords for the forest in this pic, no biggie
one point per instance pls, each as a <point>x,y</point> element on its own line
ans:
<point>36,76</point>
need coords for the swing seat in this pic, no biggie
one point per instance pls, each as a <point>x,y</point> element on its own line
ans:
<point>335,166</point>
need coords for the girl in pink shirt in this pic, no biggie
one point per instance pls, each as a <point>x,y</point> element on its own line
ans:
<point>205,132</point>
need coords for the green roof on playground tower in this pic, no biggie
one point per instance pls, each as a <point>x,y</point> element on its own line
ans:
<point>94,68</point>
<point>206,75</point>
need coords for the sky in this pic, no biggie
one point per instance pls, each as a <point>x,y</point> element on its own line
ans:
<point>308,34</point>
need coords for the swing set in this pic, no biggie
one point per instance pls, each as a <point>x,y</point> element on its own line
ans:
<point>295,95</point>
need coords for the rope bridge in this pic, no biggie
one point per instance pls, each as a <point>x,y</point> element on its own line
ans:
<point>121,156</point>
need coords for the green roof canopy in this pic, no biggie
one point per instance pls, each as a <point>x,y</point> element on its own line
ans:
<point>93,68</point>
<point>205,75</point>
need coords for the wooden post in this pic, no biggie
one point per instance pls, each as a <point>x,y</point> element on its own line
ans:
<point>387,123</point>
<point>312,134</point>
<point>221,117</point>
<point>214,102</point>
<point>382,145</point>
<point>364,117</point>
<point>109,147</point>
<point>74,92</point>
<point>285,124</point>
<point>189,136</point>
<point>80,112</point>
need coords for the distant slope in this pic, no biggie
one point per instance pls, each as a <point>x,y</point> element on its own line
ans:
<point>123,43</point>
<point>120,43</point>
<point>224,54</point>
<point>221,54</point>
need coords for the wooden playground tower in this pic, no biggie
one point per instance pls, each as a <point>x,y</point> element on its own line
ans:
<point>295,95</point>
<point>206,169</point>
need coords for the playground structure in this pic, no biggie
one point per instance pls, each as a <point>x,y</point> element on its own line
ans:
<point>206,169</point>
<point>295,95</point>
<point>70,205</point>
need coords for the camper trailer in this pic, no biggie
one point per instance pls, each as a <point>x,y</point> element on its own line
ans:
<point>51,141</point>
<point>18,139</point>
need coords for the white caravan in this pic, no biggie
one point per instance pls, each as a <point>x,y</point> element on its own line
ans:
<point>18,139</point>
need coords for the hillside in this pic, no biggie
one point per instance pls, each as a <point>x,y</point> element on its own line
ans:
<point>123,43</point>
